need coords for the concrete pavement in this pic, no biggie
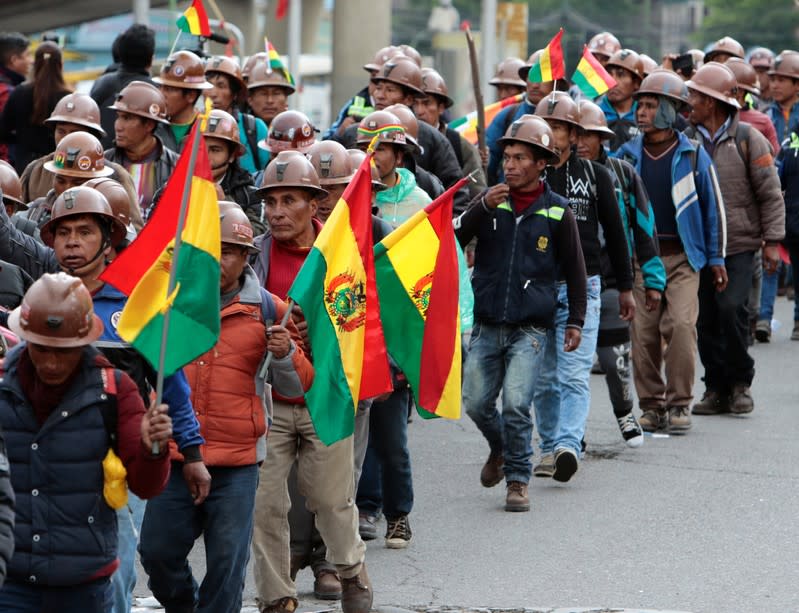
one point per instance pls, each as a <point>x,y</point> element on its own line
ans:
<point>702,523</point>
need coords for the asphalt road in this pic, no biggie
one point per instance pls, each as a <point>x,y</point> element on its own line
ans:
<point>704,523</point>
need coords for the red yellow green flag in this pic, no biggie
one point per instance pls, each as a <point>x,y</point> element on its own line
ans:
<point>195,20</point>
<point>275,63</point>
<point>337,292</point>
<point>142,270</point>
<point>417,281</point>
<point>466,126</point>
<point>591,77</point>
<point>550,65</point>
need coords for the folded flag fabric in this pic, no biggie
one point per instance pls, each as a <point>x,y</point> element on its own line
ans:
<point>417,281</point>
<point>275,63</point>
<point>195,20</point>
<point>591,77</point>
<point>337,292</point>
<point>466,126</point>
<point>550,65</point>
<point>142,270</point>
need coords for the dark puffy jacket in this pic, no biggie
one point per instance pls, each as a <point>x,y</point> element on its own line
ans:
<point>14,282</point>
<point>238,186</point>
<point>6,512</point>
<point>105,90</point>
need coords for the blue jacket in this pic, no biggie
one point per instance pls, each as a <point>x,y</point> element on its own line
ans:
<point>624,126</point>
<point>774,112</point>
<point>495,131</point>
<point>697,199</point>
<point>248,161</point>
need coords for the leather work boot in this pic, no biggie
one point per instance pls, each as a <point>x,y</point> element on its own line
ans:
<point>516,498</point>
<point>679,420</point>
<point>356,593</point>
<point>284,605</point>
<point>712,403</point>
<point>492,473</point>
<point>741,401</point>
<point>546,467</point>
<point>326,585</point>
<point>653,420</point>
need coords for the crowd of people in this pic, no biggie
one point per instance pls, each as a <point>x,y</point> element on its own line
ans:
<point>628,234</point>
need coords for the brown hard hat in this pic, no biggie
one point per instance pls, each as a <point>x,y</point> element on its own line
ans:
<point>185,70</point>
<point>142,99</point>
<point>558,106</point>
<point>786,64</point>
<point>532,130</point>
<point>386,126</point>
<point>80,109</point>
<point>261,56</point>
<point>83,201</point>
<point>221,125</point>
<point>664,82</point>
<point>647,64</point>
<point>508,73</point>
<point>56,311</point>
<point>410,122</point>
<point>604,43</point>
<point>357,157</point>
<point>745,75</point>
<point>79,154</point>
<point>331,162</point>
<point>433,85</point>
<point>592,119</point>
<point>761,57</point>
<point>727,45</point>
<point>403,71</point>
<point>290,169</point>
<point>717,81</point>
<point>289,130</point>
<point>263,75</point>
<point>412,53</point>
<point>629,60</point>
<point>234,227</point>
<point>10,185</point>
<point>381,57</point>
<point>227,66</point>
<point>117,197</point>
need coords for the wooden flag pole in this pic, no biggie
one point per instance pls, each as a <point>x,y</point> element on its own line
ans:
<point>268,359</point>
<point>184,205</point>
<point>478,94</point>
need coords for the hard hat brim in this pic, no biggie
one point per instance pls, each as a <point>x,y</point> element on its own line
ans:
<point>49,341</point>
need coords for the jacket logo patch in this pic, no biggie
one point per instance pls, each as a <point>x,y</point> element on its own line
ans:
<point>115,319</point>
<point>543,243</point>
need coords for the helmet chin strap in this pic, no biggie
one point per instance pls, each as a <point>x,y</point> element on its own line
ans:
<point>105,244</point>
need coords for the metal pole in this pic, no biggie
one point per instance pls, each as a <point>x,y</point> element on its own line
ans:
<point>488,32</point>
<point>141,12</point>
<point>184,205</point>
<point>295,40</point>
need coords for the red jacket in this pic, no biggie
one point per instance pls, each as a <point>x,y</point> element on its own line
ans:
<point>763,125</point>
<point>225,393</point>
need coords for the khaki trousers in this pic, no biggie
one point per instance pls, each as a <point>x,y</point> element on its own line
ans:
<point>666,336</point>
<point>324,477</point>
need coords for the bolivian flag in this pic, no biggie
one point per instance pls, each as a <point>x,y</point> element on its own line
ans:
<point>591,77</point>
<point>338,295</point>
<point>275,63</point>
<point>466,126</point>
<point>194,20</point>
<point>142,270</point>
<point>550,65</point>
<point>417,280</point>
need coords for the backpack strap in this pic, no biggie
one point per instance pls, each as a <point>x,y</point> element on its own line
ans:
<point>251,132</point>
<point>509,117</point>
<point>268,310</point>
<point>742,141</point>
<point>110,412</point>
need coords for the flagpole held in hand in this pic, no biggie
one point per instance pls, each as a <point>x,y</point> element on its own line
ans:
<point>268,359</point>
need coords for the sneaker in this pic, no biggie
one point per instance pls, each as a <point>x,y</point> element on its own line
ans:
<point>653,420</point>
<point>789,292</point>
<point>517,499</point>
<point>565,464</point>
<point>630,430</point>
<point>492,472</point>
<point>545,468</point>
<point>795,333</point>
<point>286,604</point>
<point>398,532</point>
<point>326,585</point>
<point>763,331</point>
<point>741,401</point>
<point>356,593</point>
<point>367,526</point>
<point>679,420</point>
<point>712,403</point>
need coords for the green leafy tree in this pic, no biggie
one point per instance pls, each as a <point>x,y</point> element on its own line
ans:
<point>752,23</point>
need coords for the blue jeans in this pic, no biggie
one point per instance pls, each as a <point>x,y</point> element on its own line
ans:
<point>386,481</point>
<point>129,519</point>
<point>171,525</point>
<point>563,393</point>
<point>92,597</point>
<point>506,358</point>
